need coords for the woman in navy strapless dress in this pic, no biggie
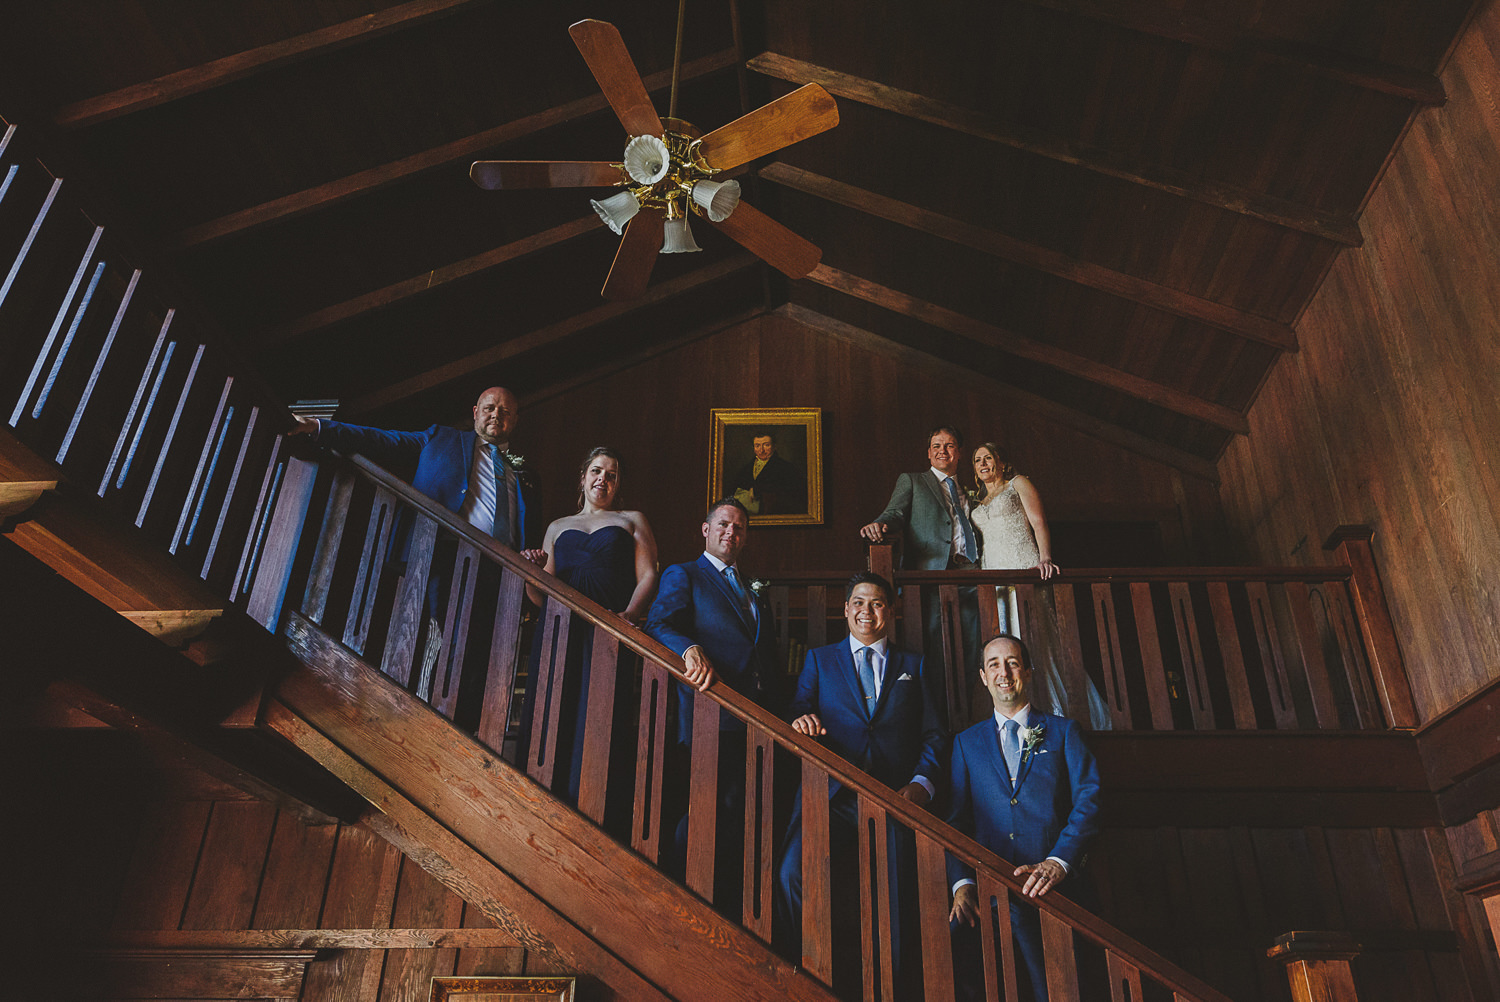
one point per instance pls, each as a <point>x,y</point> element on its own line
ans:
<point>609,556</point>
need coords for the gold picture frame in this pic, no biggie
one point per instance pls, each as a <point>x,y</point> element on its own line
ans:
<point>787,489</point>
<point>502,988</point>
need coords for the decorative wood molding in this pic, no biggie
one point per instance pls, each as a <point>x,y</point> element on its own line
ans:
<point>1093,276</point>
<point>1231,198</point>
<point>1151,18</point>
<point>216,73</point>
<point>1062,414</point>
<point>396,292</point>
<point>176,973</point>
<point>375,178</point>
<point>313,939</point>
<point>1151,392</point>
<point>550,334</point>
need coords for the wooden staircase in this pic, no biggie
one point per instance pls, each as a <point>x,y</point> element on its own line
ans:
<point>176,502</point>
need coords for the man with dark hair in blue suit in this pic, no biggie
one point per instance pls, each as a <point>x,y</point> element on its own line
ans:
<point>873,705</point>
<point>1025,786</point>
<point>713,618</point>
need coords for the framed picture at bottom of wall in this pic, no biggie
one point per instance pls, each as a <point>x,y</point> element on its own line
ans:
<point>502,989</point>
<point>770,459</point>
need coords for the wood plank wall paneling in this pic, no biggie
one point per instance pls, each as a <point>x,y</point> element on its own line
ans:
<point>1390,413</point>
<point>876,413</point>
<point>1214,898</point>
<point>219,868</point>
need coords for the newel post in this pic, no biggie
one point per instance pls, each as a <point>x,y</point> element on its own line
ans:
<point>881,560</point>
<point>1317,965</point>
<point>1351,544</point>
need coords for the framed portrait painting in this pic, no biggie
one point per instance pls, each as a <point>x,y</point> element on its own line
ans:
<point>770,459</point>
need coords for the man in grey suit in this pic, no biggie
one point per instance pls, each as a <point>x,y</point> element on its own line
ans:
<point>931,512</point>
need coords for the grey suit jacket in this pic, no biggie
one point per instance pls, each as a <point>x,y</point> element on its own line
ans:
<point>917,509</point>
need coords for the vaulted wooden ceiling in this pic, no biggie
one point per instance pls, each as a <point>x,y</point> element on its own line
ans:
<point>1117,210</point>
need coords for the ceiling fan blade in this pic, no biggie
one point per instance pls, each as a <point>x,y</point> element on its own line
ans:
<point>636,257</point>
<point>493,175</point>
<point>604,50</point>
<point>770,241</point>
<point>804,112</point>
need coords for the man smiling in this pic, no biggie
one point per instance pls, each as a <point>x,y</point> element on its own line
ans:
<point>1026,786</point>
<point>870,703</point>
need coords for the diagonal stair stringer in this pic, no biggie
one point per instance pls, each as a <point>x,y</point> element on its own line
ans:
<point>505,844</point>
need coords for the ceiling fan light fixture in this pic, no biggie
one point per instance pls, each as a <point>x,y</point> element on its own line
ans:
<point>717,199</point>
<point>677,238</point>
<point>647,159</point>
<point>617,210</point>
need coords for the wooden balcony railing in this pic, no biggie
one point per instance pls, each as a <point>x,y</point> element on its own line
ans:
<point>322,555</point>
<point>1177,648</point>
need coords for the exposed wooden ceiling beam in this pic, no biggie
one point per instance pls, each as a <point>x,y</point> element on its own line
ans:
<point>373,179</point>
<point>1151,392</point>
<point>216,73</point>
<point>551,334</point>
<point>1154,18</point>
<point>1061,413</point>
<point>1328,225</point>
<point>392,294</point>
<point>1246,325</point>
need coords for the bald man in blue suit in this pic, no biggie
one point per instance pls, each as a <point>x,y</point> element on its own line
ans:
<point>1026,786</point>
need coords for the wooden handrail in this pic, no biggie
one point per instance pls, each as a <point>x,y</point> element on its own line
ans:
<point>992,870</point>
<point>1083,575</point>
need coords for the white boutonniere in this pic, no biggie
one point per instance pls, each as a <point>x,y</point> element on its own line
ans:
<point>758,585</point>
<point>514,460</point>
<point>1031,737</point>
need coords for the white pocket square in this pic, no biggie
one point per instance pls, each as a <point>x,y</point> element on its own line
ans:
<point>905,677</point>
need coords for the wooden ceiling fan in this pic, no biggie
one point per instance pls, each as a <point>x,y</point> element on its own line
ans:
<point>669,168</point>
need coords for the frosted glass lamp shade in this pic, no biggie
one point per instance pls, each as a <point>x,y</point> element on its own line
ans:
<point>678,238</point>
<point>616,210</point>
<point>647,160</point>
<point>716,198</point>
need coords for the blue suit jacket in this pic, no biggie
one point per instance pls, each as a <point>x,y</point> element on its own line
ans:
<point>695,605</point>
<point>443,456</point>
<point>903,736</point>
<point>1052,811</point>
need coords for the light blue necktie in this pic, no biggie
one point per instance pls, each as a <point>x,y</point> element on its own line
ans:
<point>1010,746</point>
<point>746,606</point>
<point>867,673</point>
<point>970,550</point>
<point>502,497</point>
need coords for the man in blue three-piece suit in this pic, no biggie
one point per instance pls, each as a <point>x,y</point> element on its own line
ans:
<point>872,704</point>
<point>710,615</point>
<point>1025,786</point>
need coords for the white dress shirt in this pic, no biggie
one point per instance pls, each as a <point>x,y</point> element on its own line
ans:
<point>1022,717</point>
<point>956,537</point>
<point>478,508</point>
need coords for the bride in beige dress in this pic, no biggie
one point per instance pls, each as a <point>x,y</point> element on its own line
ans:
<point>1009,518</point>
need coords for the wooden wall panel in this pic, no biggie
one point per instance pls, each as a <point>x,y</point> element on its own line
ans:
<point>876,412</point>
<point>1390,413</point>
<point>1215,898</point>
